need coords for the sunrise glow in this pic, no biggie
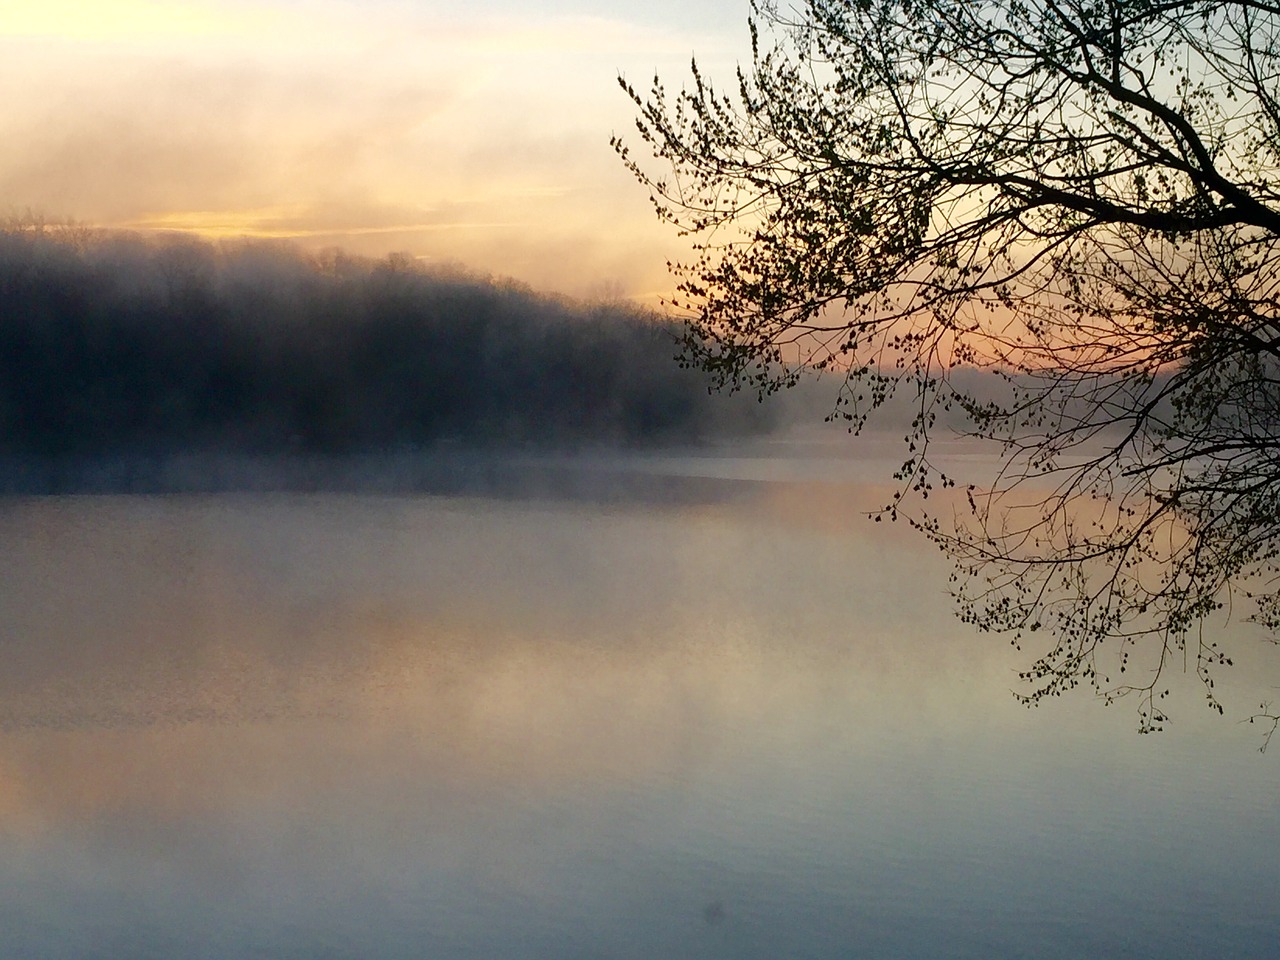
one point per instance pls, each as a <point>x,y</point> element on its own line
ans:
<point>476,135</point>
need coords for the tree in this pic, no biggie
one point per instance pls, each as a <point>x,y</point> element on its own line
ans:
<point>1079,197</point>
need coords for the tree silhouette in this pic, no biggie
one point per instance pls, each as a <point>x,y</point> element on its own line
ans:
<point>1079,197</point>
<point>119,346</point>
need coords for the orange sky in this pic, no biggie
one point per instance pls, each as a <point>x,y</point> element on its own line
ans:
<point>471,132</point>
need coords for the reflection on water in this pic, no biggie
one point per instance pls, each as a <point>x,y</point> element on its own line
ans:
<point>738,727</point>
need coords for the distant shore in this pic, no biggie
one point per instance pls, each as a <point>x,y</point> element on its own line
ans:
<point>598,474</point>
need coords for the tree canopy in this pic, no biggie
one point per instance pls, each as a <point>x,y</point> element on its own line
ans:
<point>1079,197</point>
<point>116,345</point>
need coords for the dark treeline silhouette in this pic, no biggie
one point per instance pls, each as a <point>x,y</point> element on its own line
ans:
<point>118,344</point>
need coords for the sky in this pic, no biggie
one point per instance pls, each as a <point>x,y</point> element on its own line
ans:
<point>472,133</point>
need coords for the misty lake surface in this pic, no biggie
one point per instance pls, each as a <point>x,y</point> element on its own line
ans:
<point>727,719</point>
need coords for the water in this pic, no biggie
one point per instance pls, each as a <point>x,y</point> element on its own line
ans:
<point>737,721</point>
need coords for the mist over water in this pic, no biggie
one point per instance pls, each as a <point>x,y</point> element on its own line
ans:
<point>118,353</point>
<point>690,704</point>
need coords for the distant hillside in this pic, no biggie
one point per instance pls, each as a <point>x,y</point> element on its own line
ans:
<point>114,344</point>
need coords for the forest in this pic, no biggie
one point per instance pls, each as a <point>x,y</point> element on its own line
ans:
<point>130,345</point>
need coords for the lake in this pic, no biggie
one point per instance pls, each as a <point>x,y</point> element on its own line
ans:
<point>658,705</point>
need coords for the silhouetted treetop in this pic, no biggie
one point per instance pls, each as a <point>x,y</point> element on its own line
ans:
<point>1079,195</point>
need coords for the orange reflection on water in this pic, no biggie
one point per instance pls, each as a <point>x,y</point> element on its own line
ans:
<point>183,654</point>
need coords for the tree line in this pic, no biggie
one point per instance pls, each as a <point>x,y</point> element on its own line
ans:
<point>114,343</point>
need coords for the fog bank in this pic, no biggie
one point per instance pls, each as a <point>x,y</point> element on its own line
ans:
<point>117,345</point>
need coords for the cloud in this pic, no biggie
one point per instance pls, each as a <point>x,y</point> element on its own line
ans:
<point>384,121</point>
<point>132,21</point>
